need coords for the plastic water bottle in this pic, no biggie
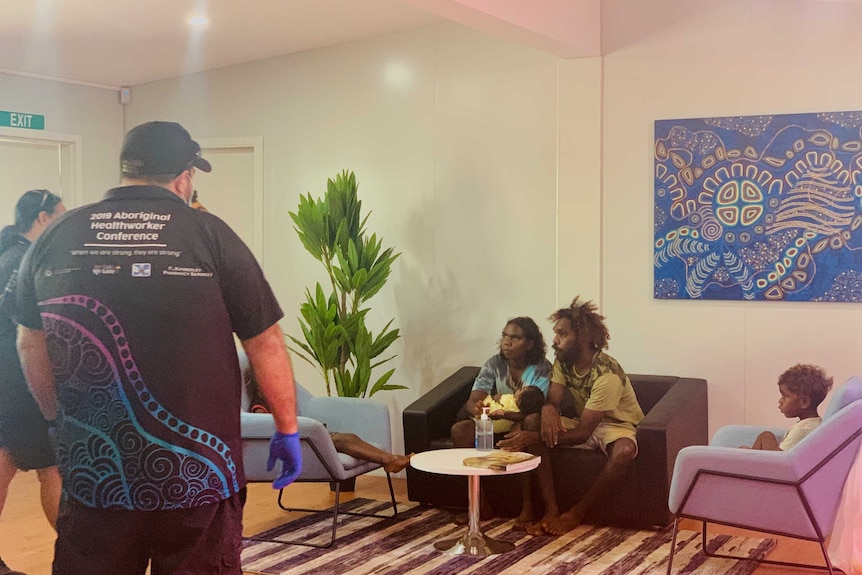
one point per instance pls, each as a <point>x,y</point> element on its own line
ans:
<point>484,431</point>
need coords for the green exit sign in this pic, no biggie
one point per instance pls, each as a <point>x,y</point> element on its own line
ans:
<point>22,120</point>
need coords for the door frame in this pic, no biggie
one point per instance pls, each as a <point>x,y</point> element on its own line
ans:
<point>70,159</point>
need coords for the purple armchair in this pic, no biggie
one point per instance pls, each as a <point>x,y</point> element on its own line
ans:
<point>795,493</point>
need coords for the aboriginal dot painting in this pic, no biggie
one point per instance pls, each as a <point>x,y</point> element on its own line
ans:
<point>759,208</point>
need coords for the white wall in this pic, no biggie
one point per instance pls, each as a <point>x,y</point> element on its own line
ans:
<point>512,180</point>
<point>94,114</point>
<point>696,58</point>
<point>456,141</point>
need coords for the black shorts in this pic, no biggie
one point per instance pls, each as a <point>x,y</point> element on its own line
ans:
<point>204,540</point>
<point>23,429</point>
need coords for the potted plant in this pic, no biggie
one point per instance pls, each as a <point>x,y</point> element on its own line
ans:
<point>336,340</point>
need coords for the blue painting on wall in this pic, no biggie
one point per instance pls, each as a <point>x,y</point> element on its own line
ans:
<point>759,208</point>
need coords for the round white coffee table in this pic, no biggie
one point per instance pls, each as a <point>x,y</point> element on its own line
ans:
<point>449,462</point>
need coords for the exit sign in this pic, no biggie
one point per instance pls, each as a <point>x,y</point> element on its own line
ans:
<point>22,120</point>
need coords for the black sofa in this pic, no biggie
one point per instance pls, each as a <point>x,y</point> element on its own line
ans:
<point>675,411</point>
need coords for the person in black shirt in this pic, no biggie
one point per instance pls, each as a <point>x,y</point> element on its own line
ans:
<point>24,441</point>
<point>128,309</point>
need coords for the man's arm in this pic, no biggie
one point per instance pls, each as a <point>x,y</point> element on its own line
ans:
<point>551,426</point>
<point>587,424</point>
<point>38,369</point>
<point>271,366</point>
<point>273,371</point>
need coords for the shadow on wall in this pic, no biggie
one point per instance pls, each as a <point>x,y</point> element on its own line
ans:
<point>436,323</point>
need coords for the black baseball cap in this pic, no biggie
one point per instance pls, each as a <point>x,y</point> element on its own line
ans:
<point>160,149</point>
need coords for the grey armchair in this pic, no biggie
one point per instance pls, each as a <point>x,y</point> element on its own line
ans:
<point>795,493</point>
<point>318,416</point>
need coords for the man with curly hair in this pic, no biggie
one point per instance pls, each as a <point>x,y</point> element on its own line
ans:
<point>803,388</point>
<point>605,413</point>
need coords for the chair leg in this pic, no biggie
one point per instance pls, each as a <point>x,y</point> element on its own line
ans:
<point>392,501</point>
<point>828,567</point>
<point>672,545</point>
<point>315,545</point>
<point>335,511</point>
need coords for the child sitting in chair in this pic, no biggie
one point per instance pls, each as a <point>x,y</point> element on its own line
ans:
<point>802,388</point>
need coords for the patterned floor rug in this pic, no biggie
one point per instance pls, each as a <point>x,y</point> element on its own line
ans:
<point>404,546</point>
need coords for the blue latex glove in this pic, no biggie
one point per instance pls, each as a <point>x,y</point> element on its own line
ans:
<point>285,447</point>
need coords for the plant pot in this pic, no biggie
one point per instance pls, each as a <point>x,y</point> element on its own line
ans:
<point>346,485</point>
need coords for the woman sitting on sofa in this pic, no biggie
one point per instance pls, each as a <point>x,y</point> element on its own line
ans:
<point>520,362</point>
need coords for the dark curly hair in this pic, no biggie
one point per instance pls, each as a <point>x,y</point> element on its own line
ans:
<point>531,400</point>
<point>584,316</point>
<point>537,353</point>
<point>806,379</point>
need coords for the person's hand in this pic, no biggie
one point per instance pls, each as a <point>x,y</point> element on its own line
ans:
<point>477,408</point>
<point>497,414</point>
<point>551,425</point>
<point>285,447</point>
<point>518,440</point>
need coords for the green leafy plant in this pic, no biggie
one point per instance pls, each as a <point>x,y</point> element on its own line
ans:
<point>336,340</point>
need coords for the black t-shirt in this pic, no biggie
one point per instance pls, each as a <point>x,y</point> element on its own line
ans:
<point>10,260</point>
<point>13,387</point>
<point>139,296</point>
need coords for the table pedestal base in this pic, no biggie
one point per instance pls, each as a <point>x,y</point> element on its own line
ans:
<point>474,545</point>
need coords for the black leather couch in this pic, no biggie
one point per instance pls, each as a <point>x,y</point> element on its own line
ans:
<point>676,416</point>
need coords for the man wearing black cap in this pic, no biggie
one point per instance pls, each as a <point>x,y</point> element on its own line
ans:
<point>128,310</point>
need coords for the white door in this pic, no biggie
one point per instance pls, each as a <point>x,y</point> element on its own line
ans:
<point>44,160</point>
<point>234,189</point>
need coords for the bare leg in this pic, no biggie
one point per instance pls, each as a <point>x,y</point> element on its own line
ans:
<point>766,441</point>
<point>50,486</point>
<point>464,433</point>
<point>7,472</point>
<point>353,446</point>
<point>621,452</point>
<point>545,481</point>
<point>525,519</point>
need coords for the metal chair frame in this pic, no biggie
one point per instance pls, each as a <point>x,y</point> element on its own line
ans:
<point>820,539</point>
<point>335,510</point>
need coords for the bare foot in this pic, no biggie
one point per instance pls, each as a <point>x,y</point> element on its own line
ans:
<point>562,524</point>
<point>538,528</point>
<point>397,463</point>
<point>522,522</point>
<point>535,529</point>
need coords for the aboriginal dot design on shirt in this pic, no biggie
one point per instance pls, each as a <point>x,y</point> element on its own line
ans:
<point>118,446</point>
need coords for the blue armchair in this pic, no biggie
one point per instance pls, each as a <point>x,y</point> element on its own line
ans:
<point>318,416</point>
<point>795,493</point>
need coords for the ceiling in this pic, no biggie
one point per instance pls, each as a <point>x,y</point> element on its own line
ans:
<point>115,43</point>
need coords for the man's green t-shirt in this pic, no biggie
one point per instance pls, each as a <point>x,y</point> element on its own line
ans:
<point>605,387</point>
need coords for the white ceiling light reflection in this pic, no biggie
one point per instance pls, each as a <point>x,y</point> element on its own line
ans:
<point>398,75</point>
<point>198,21</point>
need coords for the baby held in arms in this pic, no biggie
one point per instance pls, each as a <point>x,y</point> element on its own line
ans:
<point>508,410</point>
<point>803,388</point>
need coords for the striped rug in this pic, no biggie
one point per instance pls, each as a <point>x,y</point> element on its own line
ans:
<point>404,546</point>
